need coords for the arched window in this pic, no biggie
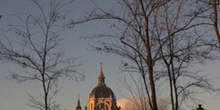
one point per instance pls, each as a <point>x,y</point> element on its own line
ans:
<point>101,106</point>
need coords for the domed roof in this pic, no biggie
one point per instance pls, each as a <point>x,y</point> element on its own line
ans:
<point>101,90</point>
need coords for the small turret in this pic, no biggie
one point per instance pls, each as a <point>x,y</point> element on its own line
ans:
<point>78,105</point>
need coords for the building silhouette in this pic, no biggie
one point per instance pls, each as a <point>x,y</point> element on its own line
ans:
<point>200,107</point>
<point>101,97</point>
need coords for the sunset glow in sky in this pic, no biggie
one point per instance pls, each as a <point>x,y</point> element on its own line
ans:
<point>13,96</point>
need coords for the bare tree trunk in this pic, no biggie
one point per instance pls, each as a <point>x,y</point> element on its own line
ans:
<point>149,58</point>
<point>216,21</point>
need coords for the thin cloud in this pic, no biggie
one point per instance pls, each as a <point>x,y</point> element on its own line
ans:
<point>140,103</point>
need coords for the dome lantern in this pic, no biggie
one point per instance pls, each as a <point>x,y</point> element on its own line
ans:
<point>101,78</point>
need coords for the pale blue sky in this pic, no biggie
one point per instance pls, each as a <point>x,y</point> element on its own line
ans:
<point>13,96</point>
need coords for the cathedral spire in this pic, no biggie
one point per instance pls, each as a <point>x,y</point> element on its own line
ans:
<point>78,104</point>
<point>101,77</point>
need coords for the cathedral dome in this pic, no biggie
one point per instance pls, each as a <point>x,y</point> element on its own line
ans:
<point>101,90</point>
<point>102,97</point>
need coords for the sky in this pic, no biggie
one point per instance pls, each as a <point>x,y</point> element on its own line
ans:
<point>13,96</point>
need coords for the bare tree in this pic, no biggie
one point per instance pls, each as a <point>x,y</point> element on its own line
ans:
<point>136,40</point>
<point>211,20</point>
<point>138,98</point>
<point>35,49</point>
<point>216,20</point>
<point>158,39</point>
<point>182,49</point>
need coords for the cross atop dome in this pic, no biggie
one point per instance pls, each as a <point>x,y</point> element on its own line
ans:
<point>100,65</point>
